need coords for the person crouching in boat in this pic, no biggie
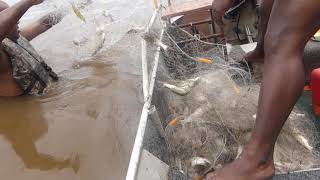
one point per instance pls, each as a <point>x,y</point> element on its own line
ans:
<point>22,69</point>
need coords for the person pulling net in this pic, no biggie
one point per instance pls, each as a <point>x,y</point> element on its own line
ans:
<point>210,123</point>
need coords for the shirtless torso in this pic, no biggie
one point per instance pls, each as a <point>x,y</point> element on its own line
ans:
<point>9,86</point>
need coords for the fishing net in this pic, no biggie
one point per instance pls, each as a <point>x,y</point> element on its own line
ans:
<point>212,105</point>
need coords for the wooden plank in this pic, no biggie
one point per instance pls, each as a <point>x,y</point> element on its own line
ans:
<point>182,9</point>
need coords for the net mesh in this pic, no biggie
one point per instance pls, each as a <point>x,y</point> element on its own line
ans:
<point>212,109</point>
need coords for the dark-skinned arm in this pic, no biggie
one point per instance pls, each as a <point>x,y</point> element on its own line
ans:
<point>42,25</point>
<point>10,16</point>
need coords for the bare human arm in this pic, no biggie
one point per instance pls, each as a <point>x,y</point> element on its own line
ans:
<point>10,16</point>
<point>42,25</point>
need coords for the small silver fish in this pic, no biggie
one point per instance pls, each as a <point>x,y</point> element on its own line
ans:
<point>183,87</point>
<point>199,162</point>
<point>301,139</point>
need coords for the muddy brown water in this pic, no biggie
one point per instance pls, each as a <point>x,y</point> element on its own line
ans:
<point>85,126</point>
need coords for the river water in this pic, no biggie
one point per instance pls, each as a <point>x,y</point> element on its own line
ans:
<point>85,126</point>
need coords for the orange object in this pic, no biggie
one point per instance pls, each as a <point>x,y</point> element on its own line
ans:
<point>173,122</point>
<point>315,82</point>
<point>205,60</point>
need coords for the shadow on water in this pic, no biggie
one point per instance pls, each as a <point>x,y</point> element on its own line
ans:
<point>22,124</point>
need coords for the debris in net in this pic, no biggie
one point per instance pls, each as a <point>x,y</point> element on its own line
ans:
<point>77,12</point>
<point>183,87</point>
<point>152,38</point>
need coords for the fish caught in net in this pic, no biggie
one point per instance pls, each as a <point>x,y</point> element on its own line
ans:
<point>211,121</point>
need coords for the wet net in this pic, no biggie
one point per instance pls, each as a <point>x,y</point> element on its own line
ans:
<point>212,106</point>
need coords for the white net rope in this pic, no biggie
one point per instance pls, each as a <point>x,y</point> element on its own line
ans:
<point>213,105</point>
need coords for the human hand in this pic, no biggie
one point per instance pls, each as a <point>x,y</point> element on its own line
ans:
<point>219,8</point>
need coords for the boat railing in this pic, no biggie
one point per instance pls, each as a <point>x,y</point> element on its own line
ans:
<point>150,55</point>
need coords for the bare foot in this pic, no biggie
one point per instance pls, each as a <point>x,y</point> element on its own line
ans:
<point>244,169</point>
<point>257,55</point>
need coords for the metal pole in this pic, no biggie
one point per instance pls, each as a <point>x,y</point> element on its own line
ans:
<point>145,72</point>
<point>138,143</point>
